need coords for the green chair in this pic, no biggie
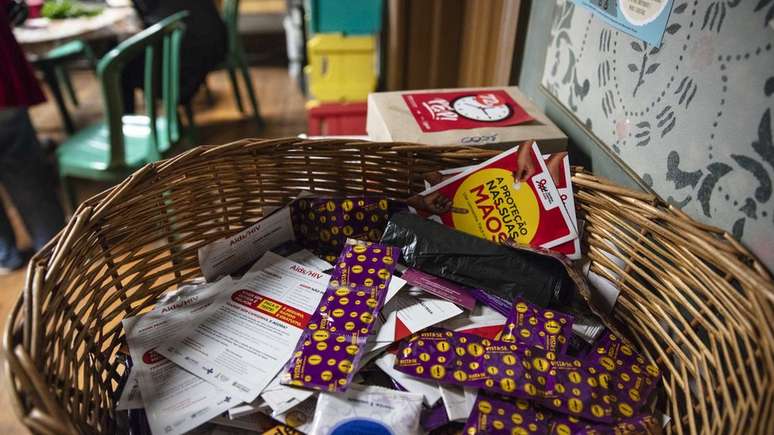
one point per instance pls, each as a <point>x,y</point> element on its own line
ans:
<point>112,149</point>
<point>53,65</point>
<point>235,59</point>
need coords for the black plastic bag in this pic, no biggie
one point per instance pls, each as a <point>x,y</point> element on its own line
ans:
<point>477,263</point>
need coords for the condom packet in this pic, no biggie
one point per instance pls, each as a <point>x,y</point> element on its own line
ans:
<point>495,415</point>
<point>539,327</point>
<point>367,410</point>
<point>558,382</point>
<point>629,377</point>
<point>324,223</point>
<point>331,347</point>
<point>569,425</point>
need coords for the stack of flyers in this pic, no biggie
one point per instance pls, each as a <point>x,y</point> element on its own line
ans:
<point>480,200</point>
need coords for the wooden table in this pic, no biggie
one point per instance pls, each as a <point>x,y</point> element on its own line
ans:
<point>39,36</point>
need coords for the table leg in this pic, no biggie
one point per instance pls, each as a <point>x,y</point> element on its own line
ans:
<point>50,76</point>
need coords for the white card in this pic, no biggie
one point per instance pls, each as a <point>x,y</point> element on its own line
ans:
<point>175,400</point>
<point>253,328</point>
<point>282,398</point>
<point>225,256</point>
<point>306,257</point>
<point>410,312</point>
<point>457,401</point>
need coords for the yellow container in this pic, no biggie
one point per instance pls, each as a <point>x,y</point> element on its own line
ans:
<point>341,68</point>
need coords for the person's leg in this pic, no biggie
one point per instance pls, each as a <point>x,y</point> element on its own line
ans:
<point>27,178</point>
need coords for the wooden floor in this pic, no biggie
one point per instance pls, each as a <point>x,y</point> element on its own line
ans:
<point>282,107</point>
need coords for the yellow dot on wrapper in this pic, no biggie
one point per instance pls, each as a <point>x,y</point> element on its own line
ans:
<point>597,411</point>
<point>471,431</point>
<point>443,346</point>
<point>424,356</point>
<point>475,349</point>
<point>604,379</point>
<point>341,339</point>
<point>474,365</point>
<point>607,363</point>
<point>437,371</point>
<point>525,333</point>
<point>320,335</point>
<point>460,375</point>
<point>441,359</point>
<point>652,370</point>
<point>322,345</point>
<point>517,418</point>
<point>509,360</point>
<point>368,282</point>
<point>492,370</point>
<point>383,273</point>
<point>509,372</point>
<point>634,394</point>
<point>519,431</point>
<point>420,370</point>
<point>345,366</point>
<point>521,307</point>
<point>307,378</point>
<point>625,409</point>
<point>353,314</point>
<point>540,364</point>
<point>489,383</point>
<point>625,377</point>
<point>552,327</point>
<point>460,351</point>
<point>497,424</point>
<point>349,326</point>
<point>338,312</point>
<point>484,407</point>
<point>530,389</point>
<point>557,402</point>
<point>508,384</point>
<point>361,258</point>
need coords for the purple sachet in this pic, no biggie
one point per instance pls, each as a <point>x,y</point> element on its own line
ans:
<point>539,327</point>
<point>493,415</point>
<point>333,342</point>
<point>323,224</point>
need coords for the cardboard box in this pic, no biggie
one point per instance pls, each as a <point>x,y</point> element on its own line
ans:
<point>391,119</point>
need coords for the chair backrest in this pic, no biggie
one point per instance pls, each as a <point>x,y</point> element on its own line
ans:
<point>160,44</point>
<point>230,11</point>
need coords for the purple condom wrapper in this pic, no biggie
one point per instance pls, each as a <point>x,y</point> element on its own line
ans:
<point>493,415</point>
<point>538,327</point>
<point>334,341</point>
<point>323,224</point>
<point>578,387</point>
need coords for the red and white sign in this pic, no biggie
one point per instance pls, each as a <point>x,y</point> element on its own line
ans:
<point>441,111</point>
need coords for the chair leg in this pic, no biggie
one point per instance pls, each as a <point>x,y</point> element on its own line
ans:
<point>50,76</point>
<point>70,196</point>
<point>251,93</point>
<point>64,76</point>
<point>208,93</point>
<point>235,85</point>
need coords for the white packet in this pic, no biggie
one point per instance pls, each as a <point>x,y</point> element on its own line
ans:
<point>188,293</point>
<point>367,409</point>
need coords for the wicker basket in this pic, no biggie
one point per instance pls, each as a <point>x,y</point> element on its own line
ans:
<point>694,300</point>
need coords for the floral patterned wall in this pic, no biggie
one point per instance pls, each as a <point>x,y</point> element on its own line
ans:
<point>693,117</point>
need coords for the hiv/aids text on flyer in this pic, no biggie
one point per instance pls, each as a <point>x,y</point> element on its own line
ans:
<point>510,196</point>
<point>253,328</point>
<point>175,400</point>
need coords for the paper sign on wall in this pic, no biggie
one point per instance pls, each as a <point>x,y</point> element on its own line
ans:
<point>643,19</point>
